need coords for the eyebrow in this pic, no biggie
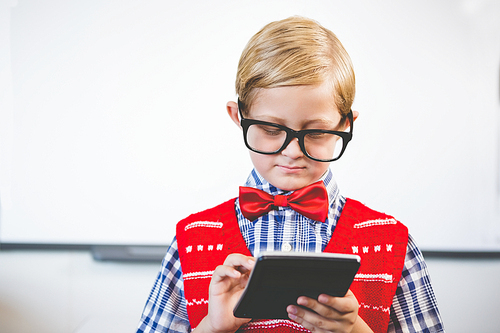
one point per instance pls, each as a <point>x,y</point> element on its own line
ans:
<point>320,121</point>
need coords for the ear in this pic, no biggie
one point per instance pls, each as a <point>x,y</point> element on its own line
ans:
<point>232,110</point>
<point>355,115</point>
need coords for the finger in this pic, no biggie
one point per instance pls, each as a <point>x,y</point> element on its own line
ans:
<point>328,313</point>
<point>341,305</point>
<point>224,271</point>
<point>239,261</point>
<point>310,320</point>
<point>324,309</point>
<point>234,266</point>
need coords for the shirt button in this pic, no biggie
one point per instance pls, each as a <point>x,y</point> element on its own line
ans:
<point>286,247</point>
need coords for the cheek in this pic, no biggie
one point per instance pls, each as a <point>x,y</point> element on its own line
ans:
<point>316,167</point>
<point>321,169</point>
<point>261,162</point>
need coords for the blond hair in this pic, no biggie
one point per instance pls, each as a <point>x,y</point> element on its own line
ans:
<point>295,51</point>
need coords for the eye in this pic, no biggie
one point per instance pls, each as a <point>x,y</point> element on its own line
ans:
<point>316,135</point>
<point>270,130</point>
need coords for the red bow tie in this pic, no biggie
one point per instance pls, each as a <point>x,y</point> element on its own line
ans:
<point>310,201</point>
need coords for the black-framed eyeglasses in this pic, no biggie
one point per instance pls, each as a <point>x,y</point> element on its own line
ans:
<point>317,144</point>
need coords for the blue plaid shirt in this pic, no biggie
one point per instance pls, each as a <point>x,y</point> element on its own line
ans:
<point>414,307</point>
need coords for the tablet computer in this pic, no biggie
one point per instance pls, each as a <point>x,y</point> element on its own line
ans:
<point>279,278</point>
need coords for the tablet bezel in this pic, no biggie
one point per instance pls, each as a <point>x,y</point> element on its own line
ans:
<point>279,278</point>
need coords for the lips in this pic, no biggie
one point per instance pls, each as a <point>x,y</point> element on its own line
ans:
<point>290,169</point>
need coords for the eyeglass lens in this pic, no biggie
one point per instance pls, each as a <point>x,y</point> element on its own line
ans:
<point>269,139</point>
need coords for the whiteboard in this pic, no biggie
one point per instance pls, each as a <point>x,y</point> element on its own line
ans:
<point>113,124</point>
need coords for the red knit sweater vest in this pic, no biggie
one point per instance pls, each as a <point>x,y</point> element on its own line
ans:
<point>205,240</point>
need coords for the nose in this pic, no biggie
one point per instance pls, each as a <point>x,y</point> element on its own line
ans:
<point>293,150</point>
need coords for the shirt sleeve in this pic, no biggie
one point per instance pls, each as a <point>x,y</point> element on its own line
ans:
<point>414,307</point>
<point>165,309</point>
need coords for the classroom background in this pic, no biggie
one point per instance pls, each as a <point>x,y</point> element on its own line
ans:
<point>113,127</point>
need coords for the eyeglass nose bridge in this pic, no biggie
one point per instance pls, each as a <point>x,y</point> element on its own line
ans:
<point>290,135</point>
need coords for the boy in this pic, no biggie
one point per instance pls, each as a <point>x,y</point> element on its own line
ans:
<point>295,86</point>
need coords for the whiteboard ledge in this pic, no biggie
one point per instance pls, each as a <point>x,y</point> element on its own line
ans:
<point>155,253</point>
<point>100,252</point>
<point>462,254</point>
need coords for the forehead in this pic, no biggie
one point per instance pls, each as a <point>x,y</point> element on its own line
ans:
<point>296,104</point>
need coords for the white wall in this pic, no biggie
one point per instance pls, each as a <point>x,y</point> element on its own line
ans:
<point>44,291</point>
<point>68,292</point>
<point>97,94</point>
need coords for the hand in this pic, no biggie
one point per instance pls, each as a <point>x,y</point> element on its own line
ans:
<point>227,284</point>
<point>331,314</point>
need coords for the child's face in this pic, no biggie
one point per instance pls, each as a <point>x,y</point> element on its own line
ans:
<point>297,107</point>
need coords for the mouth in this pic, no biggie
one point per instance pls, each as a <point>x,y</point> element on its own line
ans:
<point>290,169</point>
